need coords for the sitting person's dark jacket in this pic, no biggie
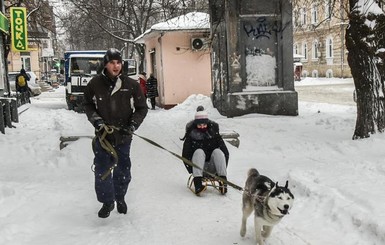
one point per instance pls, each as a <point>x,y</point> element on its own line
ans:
<point>208,141</point>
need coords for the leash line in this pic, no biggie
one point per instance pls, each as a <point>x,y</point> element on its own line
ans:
<point>106,145</point>
<point>185,160</point>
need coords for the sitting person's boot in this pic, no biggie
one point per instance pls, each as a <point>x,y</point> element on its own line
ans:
<point>199,188</point>
<point>121,206</point>
<point>106,209</point>
<point>223,185</point>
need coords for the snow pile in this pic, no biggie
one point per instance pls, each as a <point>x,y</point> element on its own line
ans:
<point>47,194</point>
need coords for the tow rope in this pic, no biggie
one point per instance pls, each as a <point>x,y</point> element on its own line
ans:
<point>185,160</point>
<point>106,145</point>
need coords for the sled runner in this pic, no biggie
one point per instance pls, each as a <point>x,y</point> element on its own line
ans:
<point>207,181</point>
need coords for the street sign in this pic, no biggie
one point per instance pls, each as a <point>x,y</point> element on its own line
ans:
<point>19,29</point>
<point>4,24</point>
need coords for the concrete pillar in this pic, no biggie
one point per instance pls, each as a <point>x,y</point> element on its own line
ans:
<point>252,57</point>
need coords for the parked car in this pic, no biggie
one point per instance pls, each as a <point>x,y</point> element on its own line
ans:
<point>32,84</point>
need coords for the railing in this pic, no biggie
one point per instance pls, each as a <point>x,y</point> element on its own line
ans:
<point>8,109</point>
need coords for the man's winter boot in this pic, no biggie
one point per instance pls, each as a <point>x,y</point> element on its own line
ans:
<point>121,206</point>
<point>106,209</point>
<point>223,185</point>
<point>199,188</point>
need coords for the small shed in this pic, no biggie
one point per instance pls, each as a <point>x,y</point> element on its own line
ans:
<point>177,52</point>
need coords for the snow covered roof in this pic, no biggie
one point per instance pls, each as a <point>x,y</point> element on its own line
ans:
<point>190,21</point>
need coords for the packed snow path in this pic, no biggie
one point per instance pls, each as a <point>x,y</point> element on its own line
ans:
<point>47,194</point>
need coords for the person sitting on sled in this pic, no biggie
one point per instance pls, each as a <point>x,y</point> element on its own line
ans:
<point>204,146</point>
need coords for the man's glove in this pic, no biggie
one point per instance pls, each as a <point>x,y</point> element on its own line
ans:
<point>99,125</point>
<point>129,130</point>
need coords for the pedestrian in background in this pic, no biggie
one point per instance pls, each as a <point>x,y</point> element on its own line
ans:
<point>115,106</point>
<point>152,90</point>
<point>142,82</point>
<point>21,84</point>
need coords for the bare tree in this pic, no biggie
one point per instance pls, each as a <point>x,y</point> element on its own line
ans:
<point>112,23</point>
<point>365,41</point>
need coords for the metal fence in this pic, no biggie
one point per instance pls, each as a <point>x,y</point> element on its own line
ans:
<point>9,109</point>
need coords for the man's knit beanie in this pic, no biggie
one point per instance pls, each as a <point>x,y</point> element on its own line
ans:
<point>112,54</point>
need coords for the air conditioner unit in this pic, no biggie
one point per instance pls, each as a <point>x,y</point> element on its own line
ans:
<point>198,43</point>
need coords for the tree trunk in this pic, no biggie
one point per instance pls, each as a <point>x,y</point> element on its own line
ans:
<point>362,47</point>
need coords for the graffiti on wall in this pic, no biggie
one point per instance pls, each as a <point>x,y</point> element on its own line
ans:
<point>261,28</point>
<point>235,68</point>
<point>260,47</point>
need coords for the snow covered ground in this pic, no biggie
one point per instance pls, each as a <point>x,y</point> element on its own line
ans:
<point>47,195</point>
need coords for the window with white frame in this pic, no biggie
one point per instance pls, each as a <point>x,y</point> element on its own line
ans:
<point>314,13</point>
<point>295,48</point>
<point>329,47</point>
<point>303,16</point>
<point>315,50</point>
<point>328,9</point>
<point>25,60</point>
<point>295,18</point>
<point>304,51</point>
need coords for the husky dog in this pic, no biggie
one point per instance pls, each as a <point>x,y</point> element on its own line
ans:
<point>269,202</point>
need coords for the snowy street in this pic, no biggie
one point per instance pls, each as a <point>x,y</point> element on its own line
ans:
<point>338,91</point>
<point>47,194</point>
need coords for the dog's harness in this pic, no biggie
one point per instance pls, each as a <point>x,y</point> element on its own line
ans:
<point>259,198</point>
<point>262,200</point>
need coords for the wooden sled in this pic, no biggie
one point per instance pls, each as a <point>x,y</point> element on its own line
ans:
<point>231,137</point>
<point>207,181</point>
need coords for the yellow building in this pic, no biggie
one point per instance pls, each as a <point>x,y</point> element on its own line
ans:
<point>319,37</point>
<point>38,58</point>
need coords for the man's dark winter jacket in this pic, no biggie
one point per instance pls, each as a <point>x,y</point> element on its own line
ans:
<point>207,141</point>
<point>118,103</point>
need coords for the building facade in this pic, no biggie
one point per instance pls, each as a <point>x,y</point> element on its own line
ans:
<point>178,55</point>
<point>39,58</point>
<point>4,32</point>
<point>319,37</point>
